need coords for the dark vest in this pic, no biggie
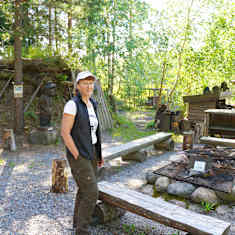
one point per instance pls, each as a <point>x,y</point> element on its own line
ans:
<point>81,131</point>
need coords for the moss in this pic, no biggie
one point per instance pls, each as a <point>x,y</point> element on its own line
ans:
<point>169,197</point>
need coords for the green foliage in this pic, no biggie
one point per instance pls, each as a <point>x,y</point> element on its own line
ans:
<point>2,162</point>
<point>62,77</point>
<point>126,129</point>
<point>11,164</point>
<point>150,124</point>
<point>111,39</point>
<point>207,206</point>
<point>31,114</point>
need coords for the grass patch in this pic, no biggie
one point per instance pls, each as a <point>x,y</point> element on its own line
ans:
<point>11,164</point>
<point>127,130</point>
<point>168,197</point>
<point>2,162</point>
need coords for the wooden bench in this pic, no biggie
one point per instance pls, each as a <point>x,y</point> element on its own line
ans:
<point>134,146</point>
<point>161,211</point>
<point>218,141</point>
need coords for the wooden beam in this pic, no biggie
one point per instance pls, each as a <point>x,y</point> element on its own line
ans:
<point>218,141</point>
<point>161,211</point>
<point>134,146</point>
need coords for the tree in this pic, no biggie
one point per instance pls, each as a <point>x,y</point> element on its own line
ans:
<point>18,35</point>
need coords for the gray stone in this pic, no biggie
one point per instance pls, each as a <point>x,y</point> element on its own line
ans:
<point>227,197</point>
<point>223,209</point>
<point>151,177</point>
<point>181,189</point>
<point>195,207</point>
<point>44,137</point>
<point>147,189</point>
<point>179,203</point>
<point>162,183</point>
<point>138,156</point>
<point>202,194</point>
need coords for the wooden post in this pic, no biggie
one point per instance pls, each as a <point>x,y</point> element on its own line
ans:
<point>188,140</point>
<point>59,176</point>
<point>106,212</point>
<point>206,123</point>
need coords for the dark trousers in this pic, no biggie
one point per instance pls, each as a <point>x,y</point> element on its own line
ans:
<point>85,174</point>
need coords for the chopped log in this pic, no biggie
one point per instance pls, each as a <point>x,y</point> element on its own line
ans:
<point>9,139</point>
<point>138,156</point>
<point>157,209</point>
<point>198,132</point>
<point>188,140</point>
<point>59,176</point>
<point>186,125</point>
<point>106,212</point>
<point>167,145</point>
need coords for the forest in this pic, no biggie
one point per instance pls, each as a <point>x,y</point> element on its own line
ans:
<point>179,48</point>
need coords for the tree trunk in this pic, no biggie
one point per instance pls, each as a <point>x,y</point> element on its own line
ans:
<point>178,76</point>
<point>50,27</point>
<point>69,32</point>
<point>19,113</point>
<point>164,68</point>
<point>56,29</point>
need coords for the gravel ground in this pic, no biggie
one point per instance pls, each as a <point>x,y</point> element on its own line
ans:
<point>28,207</point>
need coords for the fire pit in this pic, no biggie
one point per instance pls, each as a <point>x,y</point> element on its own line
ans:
<point>211,168</point>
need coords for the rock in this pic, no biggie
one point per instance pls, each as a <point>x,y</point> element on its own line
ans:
<point>181,189</point>
<point>227,197</point>
<point>139,156</point>
<point>136,183</point>
<point>195,207</point>
<point>178,203</point>
<point>202,194</point>
<point>147,189</point>
<point>162,183</point>
<point>179,157</point>
<point>167,145</point>
<point>223,209</point>
<point>44,137</point>
<point>151,177</point>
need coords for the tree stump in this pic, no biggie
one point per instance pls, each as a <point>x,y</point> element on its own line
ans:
<point>187,140</point>
<point>168,145</point>
<point>198,132</point>
<point>106,212</point>
<point>9,140</point>
<point>59,176</point>
<point>138,156</point>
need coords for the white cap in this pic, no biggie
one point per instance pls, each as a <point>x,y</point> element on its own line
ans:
<point>83,75</point>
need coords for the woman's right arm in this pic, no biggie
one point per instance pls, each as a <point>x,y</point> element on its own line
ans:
<point>66,127</point>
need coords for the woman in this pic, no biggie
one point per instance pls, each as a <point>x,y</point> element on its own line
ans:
<point>81,135</point>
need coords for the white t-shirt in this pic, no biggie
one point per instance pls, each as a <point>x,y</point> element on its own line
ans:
<point>71,108</point>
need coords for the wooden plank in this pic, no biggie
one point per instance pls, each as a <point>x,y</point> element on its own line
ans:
<point>135,145</point>
<point>221,111</point>
<point>161,211</point>
<point>218,141</point>
<point>222,128</point>
<point>200,98</point>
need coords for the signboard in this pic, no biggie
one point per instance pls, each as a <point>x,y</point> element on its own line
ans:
<point>18,91</point>
<point>199,166</point>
